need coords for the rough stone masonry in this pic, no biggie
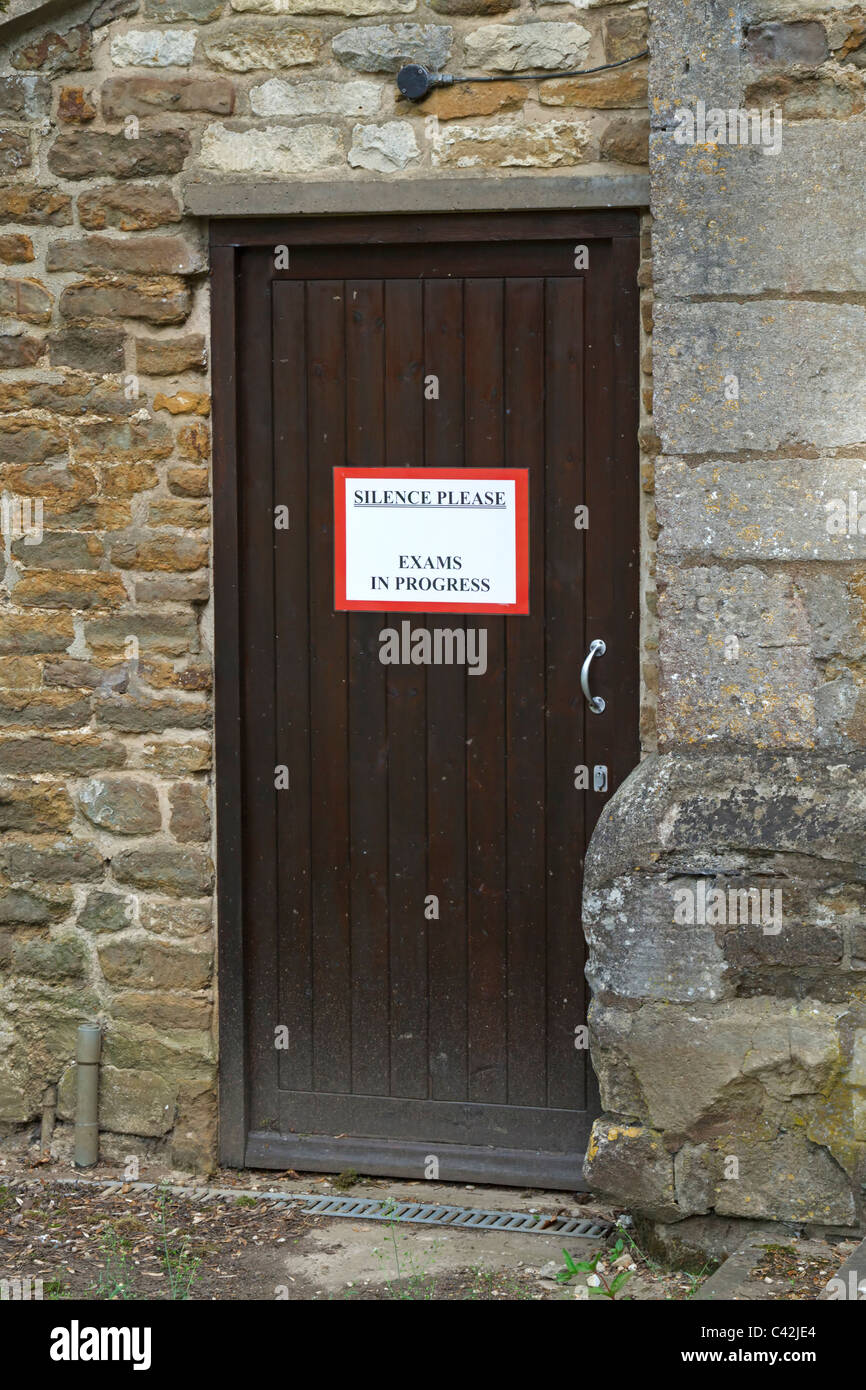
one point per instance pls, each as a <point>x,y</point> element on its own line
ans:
<point>712,1041</point>
<point>732,1059</point>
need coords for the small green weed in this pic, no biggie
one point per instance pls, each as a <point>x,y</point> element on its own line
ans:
<point>605,1289</point>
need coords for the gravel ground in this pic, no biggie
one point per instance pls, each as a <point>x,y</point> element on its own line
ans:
<point>799,1270</point>
<point>86,1244</point>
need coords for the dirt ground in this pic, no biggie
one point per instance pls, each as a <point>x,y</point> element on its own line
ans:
<point>85,1243</point>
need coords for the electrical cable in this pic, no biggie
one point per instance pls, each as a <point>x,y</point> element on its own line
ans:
<point>415,81</point>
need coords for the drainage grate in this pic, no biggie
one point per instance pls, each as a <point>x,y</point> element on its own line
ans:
<point>377,1209</point>
<point>464,1218</point>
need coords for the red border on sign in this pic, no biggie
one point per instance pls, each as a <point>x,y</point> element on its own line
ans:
<point>520,478</point>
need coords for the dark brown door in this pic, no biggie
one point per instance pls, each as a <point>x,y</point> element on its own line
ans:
<point>402,985</point>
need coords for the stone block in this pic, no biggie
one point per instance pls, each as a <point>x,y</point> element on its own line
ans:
<point>26,299</point>
<point>389,47</point>
<point>144,716</point>
<point>74,106</point>
<point>189,811</point>
<point>83,154</point>
<point>25,96</point>
<point>52,52</point>
<point>155,299</point>
<point>626,140</point>
<point>383,148</point>
<point>106,912</point>
<point>525,47</point>
<point>61,861</point>
<point>249,47</point>
<point>468,99</point>
<point>34,205</point>
<point>511,146</point>
<point>784,396</point>
<point>785,510</point>
<point>149,96</point>
<point>157,255</point>
<point>129,962</point>
<point>179,11</point>
<point>135,208</point>
<point>347,8</point>
<point>14,151</point>
<point>153,48</point>
<point>768,231</point>
<point>88,350</point>
<point>290,97</point>
<point>630,1158</point>
<point>57,958</point>
<point>274,151</point>
<point>777,44</point>
<point>170,356</point>
<point>120,805</point>
<point>602,91</point>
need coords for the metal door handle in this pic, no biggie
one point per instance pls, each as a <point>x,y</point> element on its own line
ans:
<point>595,702</point>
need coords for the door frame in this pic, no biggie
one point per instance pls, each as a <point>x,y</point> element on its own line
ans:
<point>228,237</point>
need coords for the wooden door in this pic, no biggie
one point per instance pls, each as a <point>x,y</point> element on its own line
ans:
<point>361,1028</point>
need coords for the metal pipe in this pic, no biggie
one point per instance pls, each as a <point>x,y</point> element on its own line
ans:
<point>87,1103</point>
<point>49,1112</point>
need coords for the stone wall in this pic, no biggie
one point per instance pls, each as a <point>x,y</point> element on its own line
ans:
<point>731,1053</point>
<point>106,113</point>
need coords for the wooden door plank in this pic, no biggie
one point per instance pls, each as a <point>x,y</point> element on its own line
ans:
<point>446,724</point>
<point>226,352</point>
<point>366,401</point>
<point>406,688</point>
<point>258,677</point>
<point>332,1014</point>
<point>444,360</point>
<point>485,726</point>
<point>612,542</point>
<point>449,1122</point>
<point>292,649</point>
<point>564,600</point>
<point>404,405</point>
<point>526,791</point>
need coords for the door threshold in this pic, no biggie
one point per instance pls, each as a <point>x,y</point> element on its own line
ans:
<point>321,1153</point>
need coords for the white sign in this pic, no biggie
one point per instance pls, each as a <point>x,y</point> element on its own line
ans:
<point>451,540</point>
